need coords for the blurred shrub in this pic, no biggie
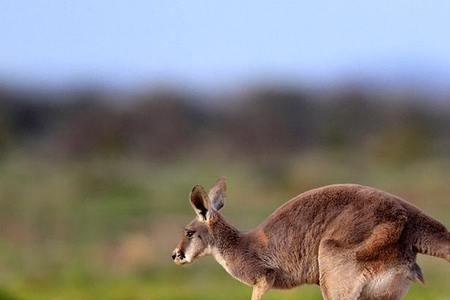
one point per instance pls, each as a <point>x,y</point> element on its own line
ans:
<point>6,296</point>
<point>264,122</point>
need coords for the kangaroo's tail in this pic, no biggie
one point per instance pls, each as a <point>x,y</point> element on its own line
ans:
<point>431,237</point>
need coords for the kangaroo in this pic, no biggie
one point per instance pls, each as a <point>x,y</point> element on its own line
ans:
<point>354,241</point>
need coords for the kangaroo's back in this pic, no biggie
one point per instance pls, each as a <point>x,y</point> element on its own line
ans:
<point>314,211</point>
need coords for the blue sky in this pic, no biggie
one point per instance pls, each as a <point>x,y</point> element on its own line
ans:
<point>213,42</point>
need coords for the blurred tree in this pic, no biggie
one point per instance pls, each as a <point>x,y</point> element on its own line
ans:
<point>265,122</point>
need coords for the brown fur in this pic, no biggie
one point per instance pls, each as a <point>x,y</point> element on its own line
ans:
<point>356,242</point>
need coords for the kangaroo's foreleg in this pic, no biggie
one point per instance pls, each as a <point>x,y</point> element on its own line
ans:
<point>260,289</point>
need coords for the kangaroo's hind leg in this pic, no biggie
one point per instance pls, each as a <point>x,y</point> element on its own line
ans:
<point>382,235</point>
<point>340,274</point>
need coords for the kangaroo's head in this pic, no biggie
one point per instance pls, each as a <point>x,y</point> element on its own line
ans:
<point>197,240</point>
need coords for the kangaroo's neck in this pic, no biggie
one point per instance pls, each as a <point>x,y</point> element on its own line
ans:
<point>231,250</point>
<point>226,238</point>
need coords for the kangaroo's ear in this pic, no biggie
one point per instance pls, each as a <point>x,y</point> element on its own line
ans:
<point>200,202</point>
<point>217,193</point>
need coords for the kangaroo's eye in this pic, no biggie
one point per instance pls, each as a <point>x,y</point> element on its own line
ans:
<point>190,233</point>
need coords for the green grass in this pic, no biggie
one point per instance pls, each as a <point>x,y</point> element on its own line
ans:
<point>188,284</point>
<point>105,228</point>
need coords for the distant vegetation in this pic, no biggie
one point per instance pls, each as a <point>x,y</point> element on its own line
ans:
<point>258,122</point>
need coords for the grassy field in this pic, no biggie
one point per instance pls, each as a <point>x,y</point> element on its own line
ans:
<point>105,228</point>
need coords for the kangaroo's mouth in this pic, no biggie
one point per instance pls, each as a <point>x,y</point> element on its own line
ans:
<point>181,262</point>
<point>179,258</point>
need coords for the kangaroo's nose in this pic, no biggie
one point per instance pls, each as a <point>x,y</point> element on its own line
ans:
<point>178,255</point>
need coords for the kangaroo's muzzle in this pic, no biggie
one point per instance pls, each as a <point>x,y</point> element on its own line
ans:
<point>178,256</point>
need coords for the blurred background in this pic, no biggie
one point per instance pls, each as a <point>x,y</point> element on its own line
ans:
<point>110,111</point>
